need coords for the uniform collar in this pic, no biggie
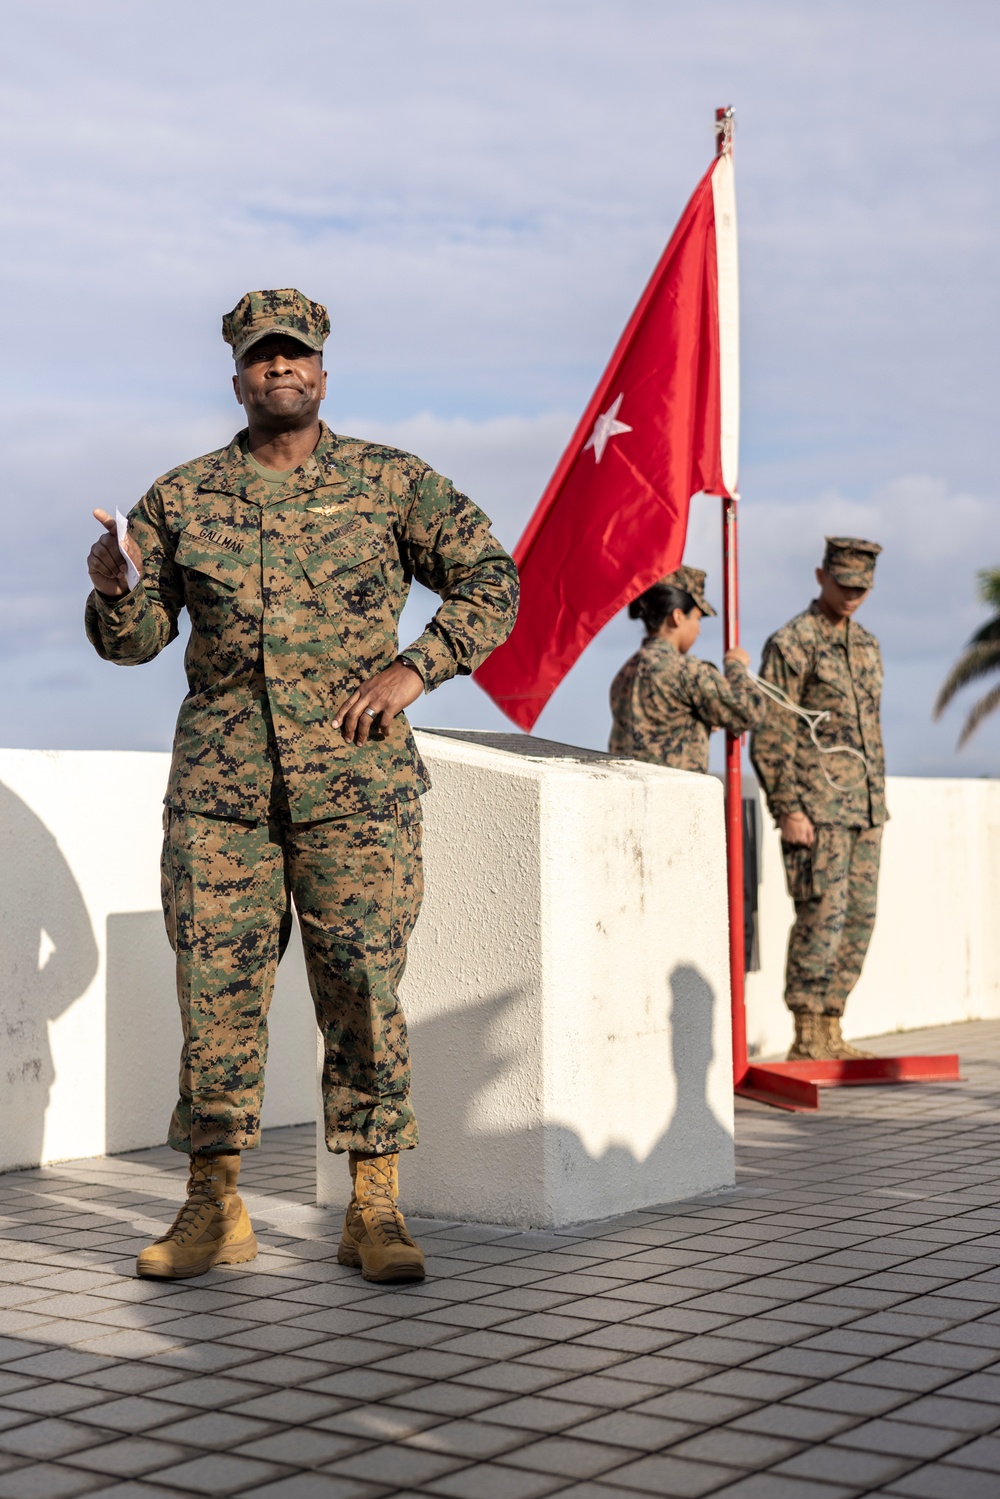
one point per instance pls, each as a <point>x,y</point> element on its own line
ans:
<point>230,473</point>
<point>658,643</point>
<point>828,629</point>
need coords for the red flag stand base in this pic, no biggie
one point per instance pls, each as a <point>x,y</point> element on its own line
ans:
<point>795,1085</point>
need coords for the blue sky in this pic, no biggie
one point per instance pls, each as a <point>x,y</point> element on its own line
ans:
<point>479,193</point>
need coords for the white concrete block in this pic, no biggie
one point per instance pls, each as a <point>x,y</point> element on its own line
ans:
<point>567,991</point>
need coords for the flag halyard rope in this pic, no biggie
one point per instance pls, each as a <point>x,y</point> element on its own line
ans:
<point>814,717</point>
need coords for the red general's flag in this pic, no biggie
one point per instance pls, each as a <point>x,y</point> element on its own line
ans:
<point>662,424</point>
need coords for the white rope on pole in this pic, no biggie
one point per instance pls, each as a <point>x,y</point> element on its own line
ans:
<point>814,717</point>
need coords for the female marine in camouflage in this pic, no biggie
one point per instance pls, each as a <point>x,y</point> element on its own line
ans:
<point>665,702</point>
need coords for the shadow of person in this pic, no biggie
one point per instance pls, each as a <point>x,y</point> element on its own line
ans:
<point>695,1154</point>
<point>479,1072</point>
<point>48,957</point>
<point>695,1134</point>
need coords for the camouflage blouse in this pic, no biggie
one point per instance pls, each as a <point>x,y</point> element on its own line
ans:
<point>837,670</point>
<point>294,593</point>
<point>665,706</point>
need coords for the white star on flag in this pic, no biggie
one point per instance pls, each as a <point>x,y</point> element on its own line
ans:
<point>606,426</point>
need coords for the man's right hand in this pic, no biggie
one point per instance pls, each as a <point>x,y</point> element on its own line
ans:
<point>797,829</point>
<point>106,564</point>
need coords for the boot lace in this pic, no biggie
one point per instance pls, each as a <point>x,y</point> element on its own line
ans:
<point>809,1040</point>
<point>191,1214</point>
<point>382,1218</point>
<point>384,1221</point>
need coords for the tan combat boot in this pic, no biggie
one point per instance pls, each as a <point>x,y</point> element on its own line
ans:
<point>212,1228</point>
<point>810,1043</point>
<point>837,1046</point>
<point>375,1236</point>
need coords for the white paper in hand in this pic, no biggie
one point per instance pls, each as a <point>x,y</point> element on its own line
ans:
<point>131,571</point>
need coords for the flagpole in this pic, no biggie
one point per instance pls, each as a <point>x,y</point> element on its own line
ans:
<point>734,758</point>
<point>734,803</point>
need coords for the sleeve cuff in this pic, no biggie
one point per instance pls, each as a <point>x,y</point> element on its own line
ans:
<point>410,658</point>
<point>121,611</point>
<point>432,660</point>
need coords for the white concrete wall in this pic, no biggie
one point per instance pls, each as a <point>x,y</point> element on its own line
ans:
<point>935,952</point>
<point>89,1033</point>
<point>89,1028</point>
<point>567,991</point>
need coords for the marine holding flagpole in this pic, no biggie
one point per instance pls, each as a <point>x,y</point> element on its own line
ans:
<point>666,702</point>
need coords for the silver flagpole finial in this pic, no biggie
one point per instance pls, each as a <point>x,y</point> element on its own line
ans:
<point>725,120</point>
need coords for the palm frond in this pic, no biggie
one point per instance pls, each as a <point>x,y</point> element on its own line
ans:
<point>989,586</point>
<point>987,632</point>
<point>975,661</point>
<point>985,706</point>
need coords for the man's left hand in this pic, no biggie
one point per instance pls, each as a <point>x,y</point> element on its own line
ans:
<point>375,704</point>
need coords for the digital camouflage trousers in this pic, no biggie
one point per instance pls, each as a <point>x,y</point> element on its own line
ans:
<point>834,885</point>
<point>228,887</point>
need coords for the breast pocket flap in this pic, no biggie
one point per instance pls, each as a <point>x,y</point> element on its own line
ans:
<point>217,552</point>
<point>833,678</point>
<point>322,567</point>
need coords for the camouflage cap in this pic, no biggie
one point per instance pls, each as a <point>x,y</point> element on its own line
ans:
<point>692,581</point>
<point>851,561</point>
<point>286,311</point>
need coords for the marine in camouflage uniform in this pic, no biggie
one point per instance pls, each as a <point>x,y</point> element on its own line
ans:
<point>665,703</point>
<point>294,583</point>
<point>833,667</point>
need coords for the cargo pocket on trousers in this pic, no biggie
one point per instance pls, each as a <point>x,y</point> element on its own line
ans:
<point>798,862</point>
<point>167,894</point>
<point>807,869</point>
<point>408,873</point>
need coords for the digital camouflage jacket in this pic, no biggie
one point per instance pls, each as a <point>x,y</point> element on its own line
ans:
<point>837,669</point>
<point>294,594</point>
<point>665,706</point>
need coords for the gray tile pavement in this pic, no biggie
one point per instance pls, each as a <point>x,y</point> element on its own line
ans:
<point>829,1328</point>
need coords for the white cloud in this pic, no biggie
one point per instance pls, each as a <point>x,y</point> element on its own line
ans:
<point>479,193</point>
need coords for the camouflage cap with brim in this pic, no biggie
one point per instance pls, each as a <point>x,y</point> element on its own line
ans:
<point>692,581</point>
<point>850,560</point>
<point>285,311</point>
